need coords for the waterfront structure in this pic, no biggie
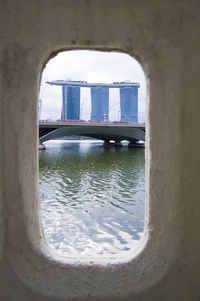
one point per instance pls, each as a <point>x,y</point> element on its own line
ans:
<point>71,103</point>
<point>129,104</point>
<point>100,103</point>
<point>109,131</point>
<point>99,99</point>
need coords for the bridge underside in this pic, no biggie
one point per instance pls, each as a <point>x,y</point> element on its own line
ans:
<point>117,134</point>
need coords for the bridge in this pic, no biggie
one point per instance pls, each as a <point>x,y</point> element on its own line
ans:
<point>99,127</point>
<point>112,133</point>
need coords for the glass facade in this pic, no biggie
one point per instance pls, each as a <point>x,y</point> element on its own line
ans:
<point>71,103</point>
<point>100,103</point>
<point>129,104</point>
<point>99,99</point>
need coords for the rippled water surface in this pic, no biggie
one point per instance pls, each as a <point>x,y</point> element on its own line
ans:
<point>92,199</point>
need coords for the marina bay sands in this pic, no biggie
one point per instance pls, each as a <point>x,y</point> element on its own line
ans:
<point>99,99</point>
<point>99,126</point>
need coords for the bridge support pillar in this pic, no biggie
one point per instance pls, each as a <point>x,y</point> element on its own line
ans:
<point>111,144</point>
<point>134,143</point>
<point>41,146</point>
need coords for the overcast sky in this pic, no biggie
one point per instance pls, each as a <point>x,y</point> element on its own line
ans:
<point>90,66</point>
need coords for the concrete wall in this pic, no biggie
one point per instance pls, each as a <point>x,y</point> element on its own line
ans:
<point>164,37</point>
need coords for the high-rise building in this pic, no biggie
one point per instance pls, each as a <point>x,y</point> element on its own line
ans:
<point>129,104</point>
<point>99,99</point>
<point>71,103</point>
<point>100,103</point>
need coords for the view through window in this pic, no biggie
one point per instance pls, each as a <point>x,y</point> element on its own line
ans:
<point>92,168</point>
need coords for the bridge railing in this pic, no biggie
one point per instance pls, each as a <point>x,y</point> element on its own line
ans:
<point>90,122</point>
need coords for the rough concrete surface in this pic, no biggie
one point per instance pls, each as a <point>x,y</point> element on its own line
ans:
<point>165,37</point>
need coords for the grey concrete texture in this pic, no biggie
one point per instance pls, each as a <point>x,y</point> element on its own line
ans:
<point>99,131</point>
<point>164,37</point>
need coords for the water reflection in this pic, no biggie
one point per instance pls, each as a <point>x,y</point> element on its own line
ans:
<point>92,199</point>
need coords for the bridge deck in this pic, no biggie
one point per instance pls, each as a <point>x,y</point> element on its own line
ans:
<point>101,130</point>
<point>60,123</point>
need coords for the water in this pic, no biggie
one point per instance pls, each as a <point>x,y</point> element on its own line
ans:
<point>92,199</point>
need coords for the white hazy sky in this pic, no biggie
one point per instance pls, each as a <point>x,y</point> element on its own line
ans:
<point>90,66</point>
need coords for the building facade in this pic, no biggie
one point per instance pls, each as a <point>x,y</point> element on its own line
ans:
<point>100,103</point>
<point>99,99</point>
<point>129,104</point>
<point>70,103</point>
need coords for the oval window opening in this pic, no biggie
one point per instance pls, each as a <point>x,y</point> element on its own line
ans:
<point>91,159</point>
